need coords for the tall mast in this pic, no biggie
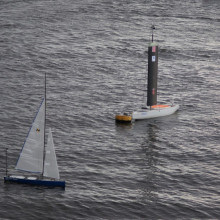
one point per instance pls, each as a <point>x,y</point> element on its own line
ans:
<point>152,71</point>
<point>45,93</point>
<point>6,162</point>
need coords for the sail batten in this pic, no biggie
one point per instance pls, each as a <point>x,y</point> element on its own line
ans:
<point>31,156</point>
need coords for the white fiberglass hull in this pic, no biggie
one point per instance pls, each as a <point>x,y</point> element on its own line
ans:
<point>154,113</point>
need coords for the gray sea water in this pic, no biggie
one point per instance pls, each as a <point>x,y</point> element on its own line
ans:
<point>95,55</point>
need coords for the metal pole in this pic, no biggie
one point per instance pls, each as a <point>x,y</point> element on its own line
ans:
<point>45,93</point>
<point>6,162</point>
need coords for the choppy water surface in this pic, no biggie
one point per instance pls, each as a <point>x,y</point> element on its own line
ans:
<point>95,55</point>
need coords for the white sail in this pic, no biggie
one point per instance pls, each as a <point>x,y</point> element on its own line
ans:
<point>50,164</point>
<point>31,156</point>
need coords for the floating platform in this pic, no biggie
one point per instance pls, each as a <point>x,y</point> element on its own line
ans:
<point>35,181</point>
<point>155,111</point>
<point>152,110</point>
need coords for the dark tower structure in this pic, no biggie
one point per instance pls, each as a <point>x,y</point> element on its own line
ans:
<point>152,72</point>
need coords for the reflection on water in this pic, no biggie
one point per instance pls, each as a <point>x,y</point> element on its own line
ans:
<point>149,147</point>
<point>123,125</point>
<point>148,183</point>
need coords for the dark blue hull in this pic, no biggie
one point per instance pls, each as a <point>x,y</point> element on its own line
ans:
<point>36,182</point>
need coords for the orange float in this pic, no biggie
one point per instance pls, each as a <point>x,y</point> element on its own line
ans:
<point>123,118</point>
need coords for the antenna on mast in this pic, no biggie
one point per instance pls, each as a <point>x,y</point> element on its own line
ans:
<point>153,28</point>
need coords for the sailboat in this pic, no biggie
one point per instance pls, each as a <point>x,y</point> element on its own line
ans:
<point>152,109</point>
<point>37,157</point>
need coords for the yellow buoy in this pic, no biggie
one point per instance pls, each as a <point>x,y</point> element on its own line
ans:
<point>123,118</point>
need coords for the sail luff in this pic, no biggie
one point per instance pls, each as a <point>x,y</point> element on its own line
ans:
<point>31,155</point>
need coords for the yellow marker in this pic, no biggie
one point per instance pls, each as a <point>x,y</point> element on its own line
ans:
<point>123,118</point>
